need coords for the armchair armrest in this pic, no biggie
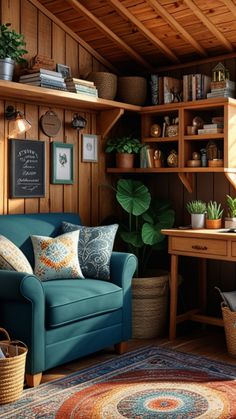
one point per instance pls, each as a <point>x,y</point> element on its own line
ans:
<point>22,313</point>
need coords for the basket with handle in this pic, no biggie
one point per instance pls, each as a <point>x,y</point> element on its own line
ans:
<point>229,318</point>
<point>12,368</point>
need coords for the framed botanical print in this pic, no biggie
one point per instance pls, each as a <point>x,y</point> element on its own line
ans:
<point>89,148</point>
<point>62,163</point>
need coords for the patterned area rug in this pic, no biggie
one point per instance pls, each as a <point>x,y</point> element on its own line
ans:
<point>153,382</point>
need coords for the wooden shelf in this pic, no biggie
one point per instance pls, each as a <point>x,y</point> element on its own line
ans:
<point>160,139</point>
<point>58,98</point>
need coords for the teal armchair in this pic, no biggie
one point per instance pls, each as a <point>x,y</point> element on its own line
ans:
<point>65,319</point>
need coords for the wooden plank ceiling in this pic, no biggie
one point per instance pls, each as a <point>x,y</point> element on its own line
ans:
<point>139,36</point>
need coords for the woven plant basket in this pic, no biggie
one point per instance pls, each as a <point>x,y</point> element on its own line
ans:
<point>132,90</point>
<point>229,318</point>
<point>106,83</point>
<point>12,369</point>
<point>150,306</point>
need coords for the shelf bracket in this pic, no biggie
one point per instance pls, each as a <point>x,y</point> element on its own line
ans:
<point>188,180</point>
<point>231,176</point>
<point>108,119</point>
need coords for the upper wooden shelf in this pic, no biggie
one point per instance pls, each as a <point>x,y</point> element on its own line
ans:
<point>58,98</point>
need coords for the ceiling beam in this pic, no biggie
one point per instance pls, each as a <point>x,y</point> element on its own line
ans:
<point>176,26</point>
<point>230,5</point>
<point>212,28</point>
<point>104,29</point>
<point>146,32</point>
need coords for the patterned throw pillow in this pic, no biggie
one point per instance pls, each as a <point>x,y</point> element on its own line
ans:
<point>95,248</point>
<point>12,258</point>
<point>57,257</point>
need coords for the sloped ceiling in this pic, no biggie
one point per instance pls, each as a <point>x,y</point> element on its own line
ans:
<point>139,36</point>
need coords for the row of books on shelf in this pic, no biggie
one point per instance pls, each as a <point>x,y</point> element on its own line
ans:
<point>55,80</point>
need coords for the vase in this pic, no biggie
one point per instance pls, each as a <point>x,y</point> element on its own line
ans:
<point>213,224</point>
<point>197,221</point>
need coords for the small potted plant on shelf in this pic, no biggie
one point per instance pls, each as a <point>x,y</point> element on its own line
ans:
<point>230,221</point>
<point>125,148</point>
<point>11,50</point>
<point>197,209</point>
<point>214,215</point>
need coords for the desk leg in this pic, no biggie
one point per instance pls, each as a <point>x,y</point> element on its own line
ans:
<point>202,284</point>
<point>173,296</point>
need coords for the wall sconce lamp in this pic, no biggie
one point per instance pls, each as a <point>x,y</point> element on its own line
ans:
<point>20,123</point>
<point>78,122</point>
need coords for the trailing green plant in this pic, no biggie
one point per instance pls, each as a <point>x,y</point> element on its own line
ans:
<point>231,204</point>
<point>214,210</point>
<point>196,207</point>
<point>146,217</point>
<point>11,44</point>
<point>125,144</point>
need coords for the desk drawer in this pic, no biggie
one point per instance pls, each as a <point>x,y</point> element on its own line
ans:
<point>233,249</point>
<point>199,246</point>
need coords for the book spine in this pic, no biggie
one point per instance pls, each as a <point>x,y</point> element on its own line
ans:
<point>39,76</point>
<point>80,86</point>
<point>42,71</point>
<point>79,81</point>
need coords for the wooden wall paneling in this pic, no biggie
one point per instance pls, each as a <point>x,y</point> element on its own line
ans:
<point>16,205</point>
<point>58,44</point>
<point>29,26</point>
<point>44,35</point>
<point>85,178</point>
<point>10,12</point>
<point>44,203</point>
<point>31,113</point>
<point>71,191</point>
<point>85,62</point>
<point>72,56</point>
<point>2,155</point>
<point>56,190</point>
<point>97,66</point>
<point>96,172</point>
<point>176,196</point>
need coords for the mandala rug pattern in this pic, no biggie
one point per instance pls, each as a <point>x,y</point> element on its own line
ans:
<point>153,382</point>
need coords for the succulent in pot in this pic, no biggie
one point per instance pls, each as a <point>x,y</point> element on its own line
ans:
<point>12,49</point>
<point>197,209</point>
<point>230,221</point>
<point>125,148</point>
<point>214,215</point>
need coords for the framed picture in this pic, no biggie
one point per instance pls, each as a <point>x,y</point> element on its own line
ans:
<point>64,70</point>
<point>62,163</point>
<point>89,148</point>
<point>27,168</point>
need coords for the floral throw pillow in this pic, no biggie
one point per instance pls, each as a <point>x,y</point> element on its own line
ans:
<point>56,258</point>
<point>12,258</point>
<point>95,248</point>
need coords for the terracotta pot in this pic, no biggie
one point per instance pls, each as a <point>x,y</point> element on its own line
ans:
<point>125,160</point>
<point>213,223</point>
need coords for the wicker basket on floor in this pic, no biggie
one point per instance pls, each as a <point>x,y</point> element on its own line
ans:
<point>150,306</point>
<point>12,369</point>
<point>229,318</point>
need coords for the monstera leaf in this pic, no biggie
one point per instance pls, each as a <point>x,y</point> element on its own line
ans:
<point>133,196</point>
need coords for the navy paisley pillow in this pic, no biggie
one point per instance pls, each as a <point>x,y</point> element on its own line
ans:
<point>94,249</point>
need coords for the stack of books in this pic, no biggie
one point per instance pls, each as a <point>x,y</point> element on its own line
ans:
<point>225,88</point>
<point>44,78</point>
<point>195,86</point>
<point>215,127</point>
<point>84,87</point>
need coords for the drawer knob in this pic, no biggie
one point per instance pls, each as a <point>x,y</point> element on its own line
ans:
<point>198,247</point>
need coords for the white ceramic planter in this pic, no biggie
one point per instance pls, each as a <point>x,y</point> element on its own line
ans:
<point>197,221</point>
<point>230,222</point>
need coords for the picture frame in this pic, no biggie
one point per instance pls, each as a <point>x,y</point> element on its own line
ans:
<point>27,168</point>
<point>62,171</point>
<point>65,70</point>
<point>89,148</point>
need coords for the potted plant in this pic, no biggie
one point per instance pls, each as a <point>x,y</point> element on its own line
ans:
<point>214,215</point>
<point>11,50</point>
<point>230,221</point>
<point>125,148</point>
<point>142,234</point>
<point>197,209</point>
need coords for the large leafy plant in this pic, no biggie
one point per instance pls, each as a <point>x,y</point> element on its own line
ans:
<point>125,144</point>
<point>11,44</point>
<point>146,218</point>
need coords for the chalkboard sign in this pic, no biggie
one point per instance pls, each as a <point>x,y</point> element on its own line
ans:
<point>27,168</point>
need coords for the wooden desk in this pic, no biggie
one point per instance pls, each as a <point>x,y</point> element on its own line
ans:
<point>203,244</point>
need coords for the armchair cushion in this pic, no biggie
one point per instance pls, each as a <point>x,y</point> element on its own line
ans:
<point>68,301</point>
<point>12,258</point>
<point>56,257</point>
<point>95,248</point>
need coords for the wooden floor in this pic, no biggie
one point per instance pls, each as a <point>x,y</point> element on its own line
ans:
<point>206,342</point>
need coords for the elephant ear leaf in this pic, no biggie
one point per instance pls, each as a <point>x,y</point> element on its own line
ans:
<point>151,234</point>
<point>132,238</point>
<point>133,196</point>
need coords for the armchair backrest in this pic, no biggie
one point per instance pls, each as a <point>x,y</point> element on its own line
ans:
<point>19,227</point>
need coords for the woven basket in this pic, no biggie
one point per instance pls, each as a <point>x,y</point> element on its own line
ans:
<point>12,369</point>
<point>132,90</point>
<point>106,83</point>
<point>229,318</point>
<point>150,306</point>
